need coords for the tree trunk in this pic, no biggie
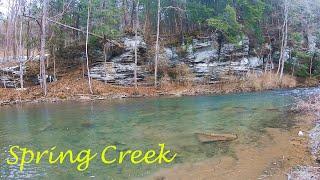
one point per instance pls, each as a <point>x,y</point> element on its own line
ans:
<point>157,46</point>
<point>284,40</point>
<point>309,31</point>
<point>125,14</point>
<point>87,39</point>
<point>6,50</point>
<point>105,53</point>
<point>28,35</point>
<point>136,46</point>
<point>42,47</point>
<point>21,54</point>
<point>54,63</point>
<point>285,43</point>
<point>147,22</point>
<point>310,67</point>
<point>132,22</point>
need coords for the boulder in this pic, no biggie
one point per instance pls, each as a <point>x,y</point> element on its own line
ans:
<point>170,53</point>
<point>255,62</point>
<point>205,56</point>
<point>130,42</point>
<point>116,73</point>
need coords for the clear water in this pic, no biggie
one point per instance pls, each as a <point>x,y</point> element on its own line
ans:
<point>137,124</point>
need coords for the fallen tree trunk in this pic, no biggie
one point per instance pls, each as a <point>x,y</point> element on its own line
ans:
<point>206,138</point>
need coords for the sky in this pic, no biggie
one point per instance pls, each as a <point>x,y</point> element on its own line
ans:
<point>4,6</point>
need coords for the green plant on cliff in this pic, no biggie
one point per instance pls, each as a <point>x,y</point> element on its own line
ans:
<point>199,12</point>
<point>251,13</point>
<point>227,24</point>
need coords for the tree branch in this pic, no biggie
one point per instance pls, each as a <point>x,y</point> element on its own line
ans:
<point>76,29</point>
<point>173,7</point>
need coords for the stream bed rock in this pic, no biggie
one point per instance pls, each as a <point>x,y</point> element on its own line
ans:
<point>304,173</point>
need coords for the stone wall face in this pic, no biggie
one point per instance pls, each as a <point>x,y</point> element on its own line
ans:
<point>209,61</point>
<point>120,69</point>
<point>206,59</point>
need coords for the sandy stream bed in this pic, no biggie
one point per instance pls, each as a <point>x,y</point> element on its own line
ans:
<point>272,157</point>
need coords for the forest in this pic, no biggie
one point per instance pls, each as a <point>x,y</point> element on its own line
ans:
<point>150,43</point>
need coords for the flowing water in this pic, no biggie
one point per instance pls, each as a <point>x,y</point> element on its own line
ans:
<point>137,124</point>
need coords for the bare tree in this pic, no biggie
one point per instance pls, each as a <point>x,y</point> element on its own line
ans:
<point>136,46</point>
<point>284,40</point>
<point>125,14</point>
<point>21,54</point>
<point>311,41</point>
<point>87,55</point>
<point>7,41</point>
<point>285,44</point>
<point>106,49</point>
<point>43,46</point>
<point>54,63</point>
<point>157,45</point>
<point>9,29</point>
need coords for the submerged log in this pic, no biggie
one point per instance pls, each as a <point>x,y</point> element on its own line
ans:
<point>87,124</point>
<point>206,138</point>
<point>46,127</point>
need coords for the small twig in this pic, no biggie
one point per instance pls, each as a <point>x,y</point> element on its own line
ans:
<point>65,8</point>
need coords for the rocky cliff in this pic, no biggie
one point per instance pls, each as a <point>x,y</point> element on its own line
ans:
<point>205,57</point>
<point>208,60</point>
<point>120,69</point>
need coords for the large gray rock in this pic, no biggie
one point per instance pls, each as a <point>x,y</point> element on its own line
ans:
<point>170,53</point>
<point>10,74</point>
<point>9,82</point>
<point>205,60</point>
<point>203,56</point>
<point>201,51</point>
<point>131,42</point>
<point>116,73</point>
<point>120,69</point>
<point>231,52</point>
<point>255,62</point>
